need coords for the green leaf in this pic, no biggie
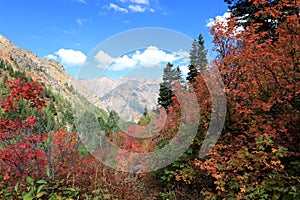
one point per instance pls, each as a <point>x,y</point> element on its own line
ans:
<point>27,196</point>
<point>176,164</point>
<point>48,172</point>
<point>30,180</point>
<point>17,187</point>
<point>71,189</point>
<point>40,188</point>
<point>40,194</point>
<point>42,182</point>
<point>68,175</point>
<point>52,198</point>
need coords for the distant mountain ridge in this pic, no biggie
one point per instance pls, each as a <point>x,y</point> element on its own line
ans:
<point>127,96</point>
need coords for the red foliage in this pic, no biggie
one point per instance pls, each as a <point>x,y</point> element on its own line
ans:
<point>19,142</point>
<point>25,151</point>
<point>261,76</point>
<point>21,89</point>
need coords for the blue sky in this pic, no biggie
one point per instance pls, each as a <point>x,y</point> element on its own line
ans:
<point>69,30</point>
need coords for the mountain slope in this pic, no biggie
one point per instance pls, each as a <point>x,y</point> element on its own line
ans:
<point>50,72</point>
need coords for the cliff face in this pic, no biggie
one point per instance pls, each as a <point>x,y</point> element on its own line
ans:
<point>127,96</point>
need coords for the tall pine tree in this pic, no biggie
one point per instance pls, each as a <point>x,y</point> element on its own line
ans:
<point>201,54</point>
<point>198,60</point>
<point>193,53</point>
<point>170,77</point>
<point>192,73</point>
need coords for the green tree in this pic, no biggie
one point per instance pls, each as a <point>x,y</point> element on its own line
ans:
<point>178,76</point>
<point>52,108</point>
<point>192,73</point>
<point>193,53</point>
<point>145,113</point>
<point>112,122</point>
<point>201,54</point>
<point>165,95</point>
<point>4,80</point>
<point>170,77</point>
<point>198,60</point>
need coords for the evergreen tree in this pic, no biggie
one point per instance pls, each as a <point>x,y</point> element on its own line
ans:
<point>192,73</point>
<point>165,95</point>
<point>52,108</point>
<point>2,65</point>
<point>112,122</point>
<point>198,60</point>
<point>165,90</point>
<point>201,54</point>
<point>178,76</point>
<point>145,113</point>
<point>4,80</point>
<point>170,77</point>
<point>169,74</point>
<point>193,53</point>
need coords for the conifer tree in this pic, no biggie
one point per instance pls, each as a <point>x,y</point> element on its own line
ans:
<point>198,60</point>
<point>192,73</point>
<point>170,76</point>
<point>165,90</point>
<point>201,54</point>
<point>193,53</point>
<point>165,95</point>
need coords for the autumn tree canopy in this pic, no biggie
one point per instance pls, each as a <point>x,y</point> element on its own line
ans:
<point>262,83</point>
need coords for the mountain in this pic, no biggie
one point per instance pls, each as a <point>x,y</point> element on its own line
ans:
<point>127,96</point>
<point>50,72</point>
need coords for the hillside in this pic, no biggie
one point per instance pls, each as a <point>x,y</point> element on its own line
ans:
<point>50,72</point>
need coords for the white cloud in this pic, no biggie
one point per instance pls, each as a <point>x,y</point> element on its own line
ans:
<point>184,69</point>
<point>183,55</point>
<point>151,56</point>
<point>123,62</point>
<point>144,2</point>
<point>70,32</point>
<point>80,22</point>
<point>81,1</point>
<point>51,57</point>
<point>136,8</point>
<point>70,57</point>
<point>221,19</point>
<point>103,59</point>
<point>117,8</point>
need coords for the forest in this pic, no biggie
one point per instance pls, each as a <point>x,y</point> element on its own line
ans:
<point>256,154</point>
